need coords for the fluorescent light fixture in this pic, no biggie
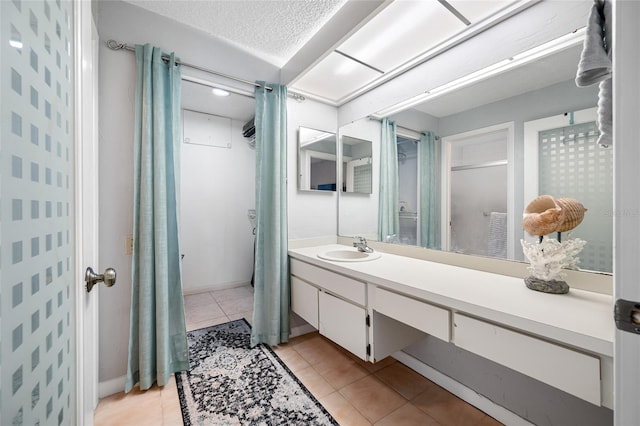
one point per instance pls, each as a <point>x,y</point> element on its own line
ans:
<point>347,67</point>
<point>15,43</point>
<point>415,24</point>
<point>546,49</point>
<point>514,7</point>
<point>219,92</point>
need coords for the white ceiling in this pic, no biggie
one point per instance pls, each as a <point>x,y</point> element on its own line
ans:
<point>272,30</point>
<point>401,31</point>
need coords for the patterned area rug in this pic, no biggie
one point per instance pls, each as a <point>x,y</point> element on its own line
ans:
<point>230,383</point>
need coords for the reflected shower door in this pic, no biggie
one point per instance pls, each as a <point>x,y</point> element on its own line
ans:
<point>476,192</point>
<point>478,189</point>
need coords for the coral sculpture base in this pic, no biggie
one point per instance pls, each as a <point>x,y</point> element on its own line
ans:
<point>547,286</point>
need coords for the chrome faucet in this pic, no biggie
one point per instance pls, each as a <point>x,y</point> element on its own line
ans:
<point>361,244</point>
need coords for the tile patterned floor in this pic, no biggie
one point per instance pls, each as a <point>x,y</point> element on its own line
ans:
<point>354,392</point>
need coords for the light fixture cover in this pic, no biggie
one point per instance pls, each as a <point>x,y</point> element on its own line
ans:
<point>219,92</point>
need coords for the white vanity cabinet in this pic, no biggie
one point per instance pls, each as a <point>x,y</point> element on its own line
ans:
<point>333,304</point>
<point>377,308</point>
<point>368,321</point>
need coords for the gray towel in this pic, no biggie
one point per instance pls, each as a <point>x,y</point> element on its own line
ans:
<point>605,113</point>
<point>595,65</point>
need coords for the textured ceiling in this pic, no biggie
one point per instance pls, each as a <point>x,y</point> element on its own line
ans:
<point>272,30</point>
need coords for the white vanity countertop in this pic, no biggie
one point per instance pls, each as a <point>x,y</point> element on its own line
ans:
<point>580,318</point>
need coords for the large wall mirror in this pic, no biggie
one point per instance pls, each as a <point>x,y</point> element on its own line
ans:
<point>316,160</point>
<point>476,187</point>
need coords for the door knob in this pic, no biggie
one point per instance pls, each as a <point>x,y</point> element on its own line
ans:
<point>108,278</point>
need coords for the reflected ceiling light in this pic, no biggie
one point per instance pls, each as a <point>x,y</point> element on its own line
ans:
<point>546,49</point>
<point>219,92</point>
<point>15,43</point>
<point>319,136</point>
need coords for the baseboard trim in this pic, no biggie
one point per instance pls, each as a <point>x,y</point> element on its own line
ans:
<point>109,387</point>
<point>214,287</point>
<point>461,391</point>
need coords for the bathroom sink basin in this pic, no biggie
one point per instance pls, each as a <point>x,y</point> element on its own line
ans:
<point>348,255</point>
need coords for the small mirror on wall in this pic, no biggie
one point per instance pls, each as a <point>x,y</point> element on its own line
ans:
<point>356,165</point>
<point>316,160</point>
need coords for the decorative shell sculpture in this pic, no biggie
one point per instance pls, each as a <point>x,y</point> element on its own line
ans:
<point>546,214</point>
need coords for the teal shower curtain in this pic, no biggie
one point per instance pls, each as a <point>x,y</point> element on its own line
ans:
<point>429,191</point>
<point>157,340</point>
<point>388,202</point>
<point>271,292</point>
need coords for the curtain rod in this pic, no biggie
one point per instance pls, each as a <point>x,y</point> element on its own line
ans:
<point>114,45</point>
<point>371,117</point>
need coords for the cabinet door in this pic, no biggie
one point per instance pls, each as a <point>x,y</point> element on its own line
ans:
<point>304,301</point>
<point>344,323</point>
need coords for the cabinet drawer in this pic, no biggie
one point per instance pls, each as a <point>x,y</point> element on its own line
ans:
<point>334,283</point>
<point>563,368</point>
<point>423,316</point>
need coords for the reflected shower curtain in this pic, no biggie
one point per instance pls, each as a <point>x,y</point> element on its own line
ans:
<point>271,293</point>
<point>157,340</point>
<point>429,191</point>
<point>388,202</point>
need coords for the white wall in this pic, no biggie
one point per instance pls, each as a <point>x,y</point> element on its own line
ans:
<point>116,92</point>
<point>311,213</point>
<point>217,190</point>
<point>124,22</point>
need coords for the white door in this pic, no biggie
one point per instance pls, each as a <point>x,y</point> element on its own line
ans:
<point>627,204</point>
<point>45,316</point>
<point>86,172</point>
